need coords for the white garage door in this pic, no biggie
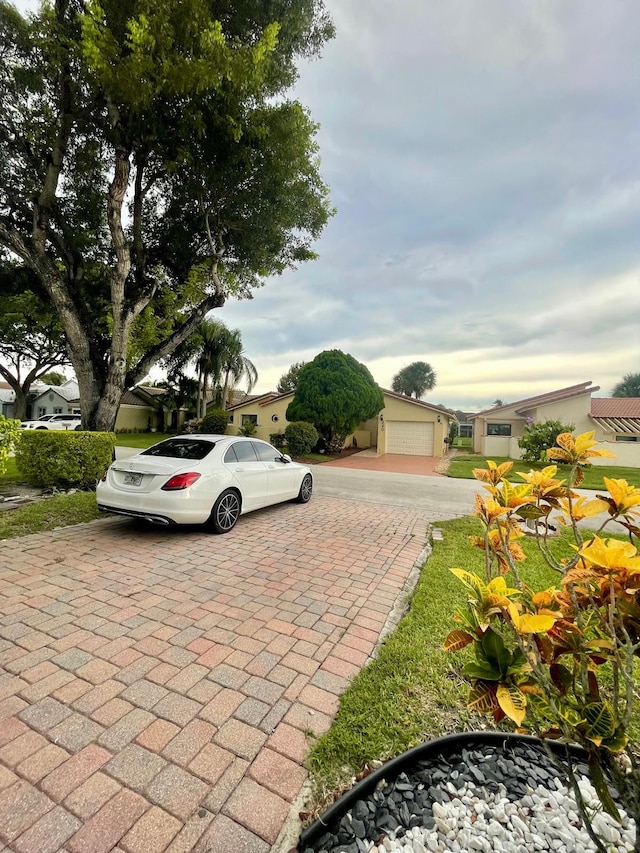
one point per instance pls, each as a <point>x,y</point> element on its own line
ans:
<point>409,438</point>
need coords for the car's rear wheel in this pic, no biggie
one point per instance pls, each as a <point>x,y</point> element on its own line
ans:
<point>225,512</point>
<point>306,488</point>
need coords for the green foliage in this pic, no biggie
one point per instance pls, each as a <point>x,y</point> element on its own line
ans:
<point>215,422</point>
<point>335,393</point>
<point>248,429</point>
<point>277,439</point>
<point>289,380</point>
<point>454,429</point>
<point>414,379</point>
<point>10,435</point>
<point>63,460</point>
<point>540,437</point>
<point>629,386</point>
<point>301,437</point>
<point>154,145</point>
<point>53,378</point>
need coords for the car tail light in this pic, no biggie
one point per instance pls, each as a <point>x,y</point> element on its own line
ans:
<point>180,481</point>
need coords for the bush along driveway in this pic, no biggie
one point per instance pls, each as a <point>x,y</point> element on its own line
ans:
<point>160,689</point>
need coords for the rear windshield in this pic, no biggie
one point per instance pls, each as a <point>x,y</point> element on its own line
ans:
<point>181,448</point>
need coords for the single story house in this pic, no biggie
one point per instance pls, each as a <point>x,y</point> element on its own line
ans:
<point>141,408</point>
<point>405,425</point>
<point>7,399</point>
<point>615,421</point>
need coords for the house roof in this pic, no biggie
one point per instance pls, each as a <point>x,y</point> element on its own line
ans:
<point>521,406</point>
<point>272,396</point>
<point>260,399</point>
<point>620,415</point>
<point>448,412</point>
<point>615,407</point>
<point>69,391</point>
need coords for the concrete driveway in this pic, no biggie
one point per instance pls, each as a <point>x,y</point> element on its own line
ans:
<point>157,686</point>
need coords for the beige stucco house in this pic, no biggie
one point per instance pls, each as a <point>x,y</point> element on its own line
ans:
<point>615,420</point>
<point>405,426</point>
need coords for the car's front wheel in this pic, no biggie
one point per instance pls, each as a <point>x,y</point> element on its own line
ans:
<point>306,488</point>
<point>225,512</point>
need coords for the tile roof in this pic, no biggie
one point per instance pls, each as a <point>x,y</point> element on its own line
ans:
<point>542,399</point>
<point>615,407</point>
<point>449,412</point>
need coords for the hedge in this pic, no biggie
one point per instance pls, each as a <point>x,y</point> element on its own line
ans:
<point>62,460</point>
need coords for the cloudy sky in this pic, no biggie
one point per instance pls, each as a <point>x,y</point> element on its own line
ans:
<point>484,159</point>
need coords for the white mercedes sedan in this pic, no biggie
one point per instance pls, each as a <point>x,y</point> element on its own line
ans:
<point>202,479</point>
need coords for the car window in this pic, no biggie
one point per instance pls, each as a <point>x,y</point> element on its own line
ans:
<point>230,455</point>
<point>265,452</point>
<point>181,448</point>
<point>244,451</point>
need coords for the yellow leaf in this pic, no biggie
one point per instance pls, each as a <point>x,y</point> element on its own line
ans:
<point>513,702</point>
<point>457,640</point>
<point>531,623</point>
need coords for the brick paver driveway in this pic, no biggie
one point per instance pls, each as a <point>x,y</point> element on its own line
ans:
<point>156,685</point>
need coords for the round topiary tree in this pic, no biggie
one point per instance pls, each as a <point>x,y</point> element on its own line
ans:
<point>335,393</point>
<point>300,437</point>
<point>215,422</point>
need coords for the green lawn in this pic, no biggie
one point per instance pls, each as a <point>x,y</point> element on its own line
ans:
<point>140,439</point>
<point>462,467</point>
<point>47,513</point>
<point>10,474</point>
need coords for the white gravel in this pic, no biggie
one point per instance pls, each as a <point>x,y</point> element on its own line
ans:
<point>543,820</point>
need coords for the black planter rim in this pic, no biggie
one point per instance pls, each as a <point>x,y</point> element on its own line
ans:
<point>395,766</point>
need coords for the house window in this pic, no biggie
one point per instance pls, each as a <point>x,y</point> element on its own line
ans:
<point>57,410</point>
<point>249,419</point>
<point>42,410</point>
<point>230,419</point>
<point>626,438</point>
<point>498,429</point>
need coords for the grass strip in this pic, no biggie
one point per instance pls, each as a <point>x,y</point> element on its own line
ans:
<point>461,467</point>
<point>48,513</point>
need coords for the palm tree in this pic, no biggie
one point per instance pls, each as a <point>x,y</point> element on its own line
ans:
<point>416,378</point>
<point>217,355</point>
<point>235,365</point>
<point>629,386</point>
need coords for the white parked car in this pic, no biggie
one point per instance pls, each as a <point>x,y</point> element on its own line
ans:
<point>54,422</point>
<point>202,479</point>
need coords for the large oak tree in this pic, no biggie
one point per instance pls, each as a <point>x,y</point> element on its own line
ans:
<point>151,167</point>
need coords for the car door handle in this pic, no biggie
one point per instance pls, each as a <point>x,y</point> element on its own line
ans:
<point>240,469</point>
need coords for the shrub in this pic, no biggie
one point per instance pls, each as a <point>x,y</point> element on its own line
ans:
<point>277,439</point>
<point>559,662</point>
<point>248,429</point>
<point>215,422</point>
<point>10,435</point>
<point>540,437</point>
<point>301,437</point>
<point>62,460</point>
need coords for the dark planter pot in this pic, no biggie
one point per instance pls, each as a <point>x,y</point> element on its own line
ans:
<point>438,748</point>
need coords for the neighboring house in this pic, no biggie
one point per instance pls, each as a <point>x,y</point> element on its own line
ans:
<point>465,424</point>
<point>7,399</point>
<point>56,400</point>
<point>141,408</point>
<point>405,425</point>
<point>616,422</point>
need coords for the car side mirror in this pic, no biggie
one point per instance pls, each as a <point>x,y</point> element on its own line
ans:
<point>286,457</point>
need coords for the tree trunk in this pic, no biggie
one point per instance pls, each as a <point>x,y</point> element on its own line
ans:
<point>20,405</point>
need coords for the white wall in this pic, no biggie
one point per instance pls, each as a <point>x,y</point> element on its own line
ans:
<point>626,454</point>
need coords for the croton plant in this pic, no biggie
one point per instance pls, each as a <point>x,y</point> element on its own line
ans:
<point>560,662</point>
